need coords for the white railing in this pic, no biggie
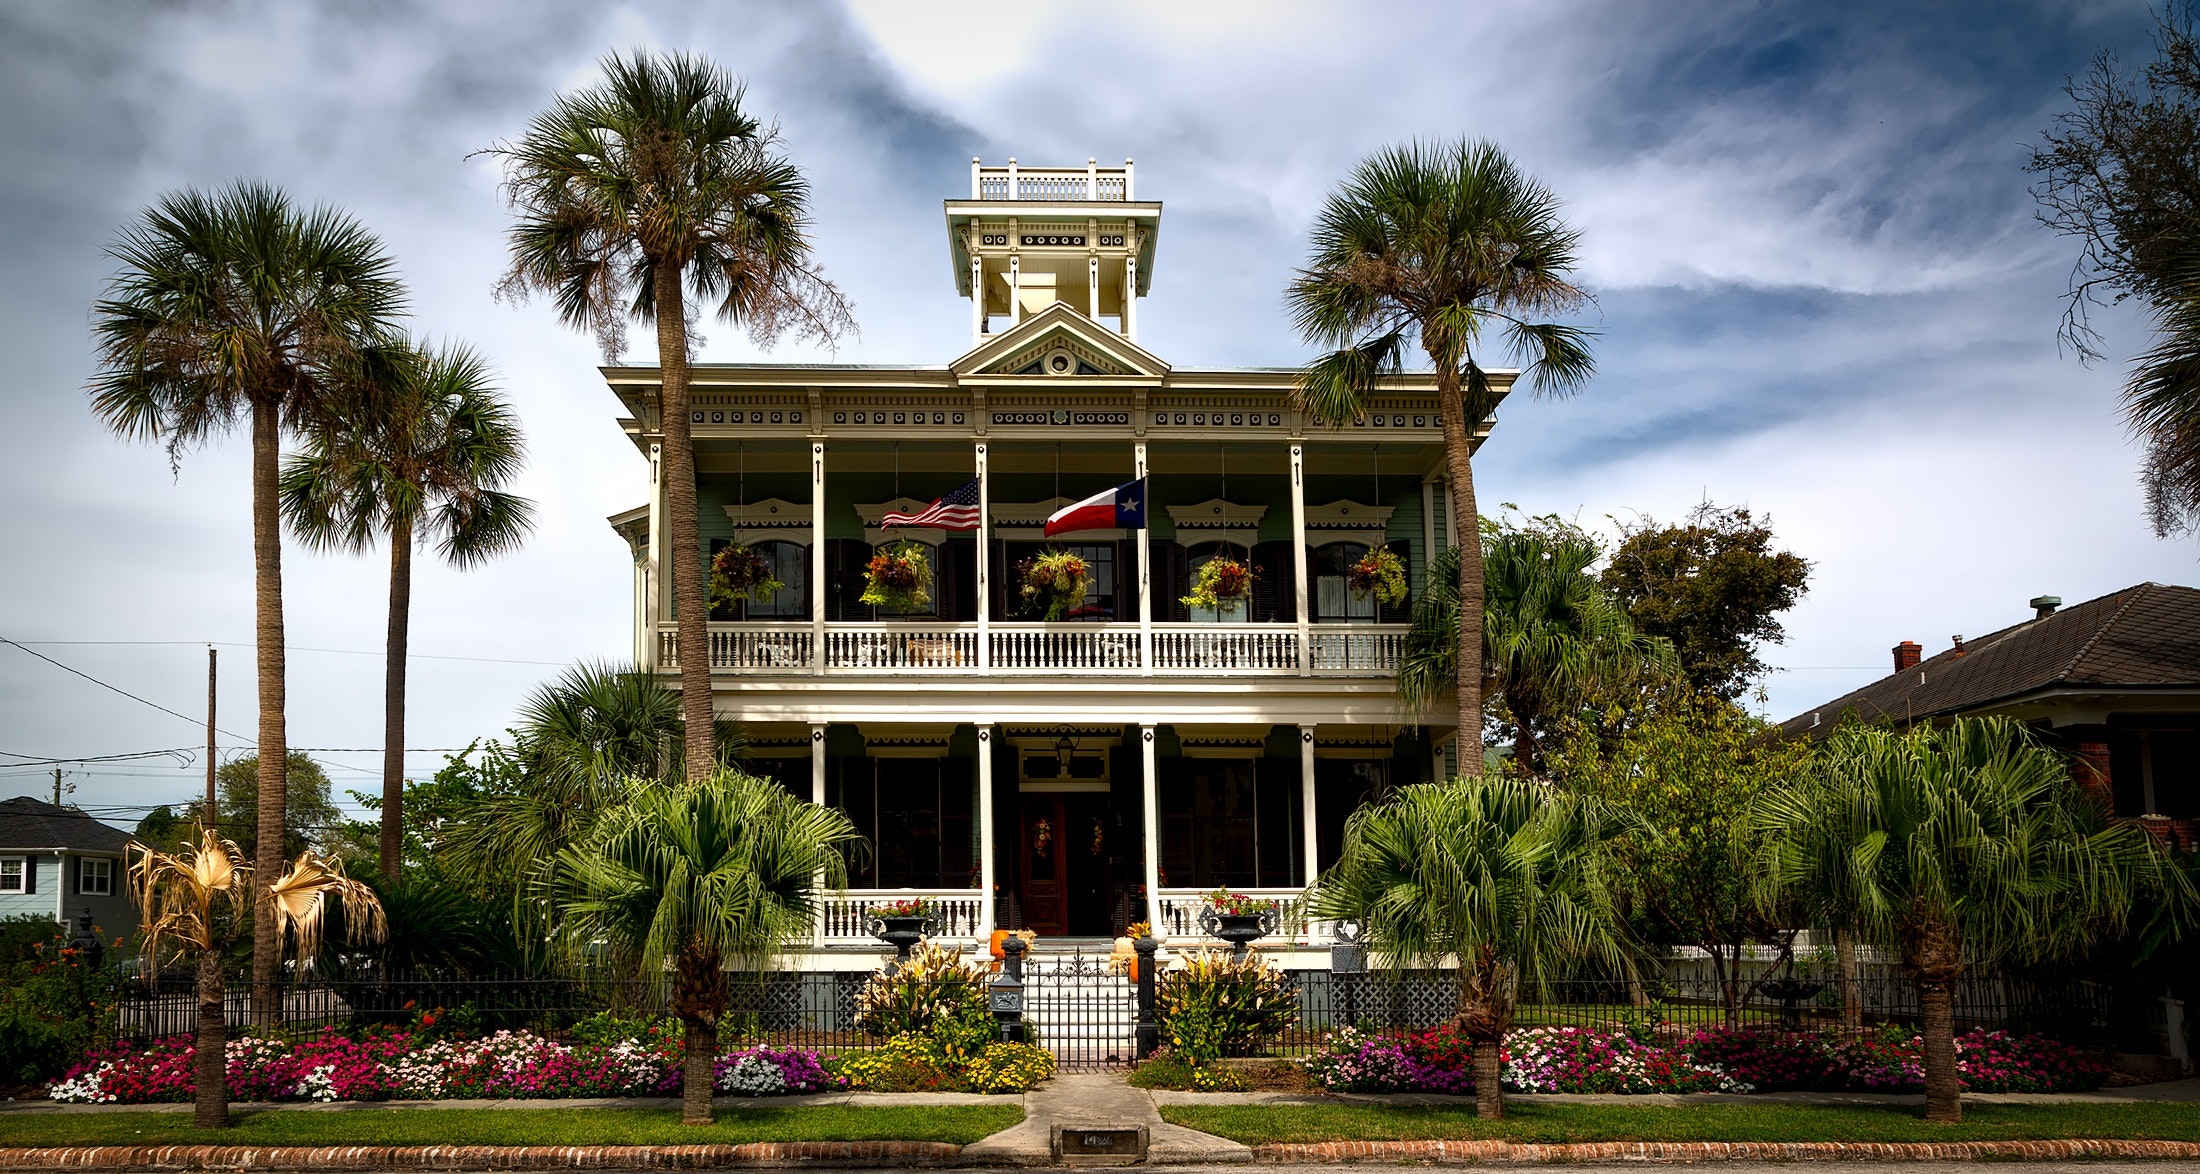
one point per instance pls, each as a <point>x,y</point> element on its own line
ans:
<point>1180,909</point>
<point>1020,649</point>
<point>895,648</point>
<point>1058,647</point>
<point>1357,652</point>
<point>745,647</point>
<point>1225,649</point>
<point>1078,184</point>
<point>844,919</point>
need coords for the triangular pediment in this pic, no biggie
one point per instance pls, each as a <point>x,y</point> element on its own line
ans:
<point>1059,342</point>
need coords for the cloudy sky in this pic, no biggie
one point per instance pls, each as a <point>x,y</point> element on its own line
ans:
<point>1821,293</point>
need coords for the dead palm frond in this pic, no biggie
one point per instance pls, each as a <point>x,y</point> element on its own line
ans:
<point>181,895</point>
<point>300,900</point>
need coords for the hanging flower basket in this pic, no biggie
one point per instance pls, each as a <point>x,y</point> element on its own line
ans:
<point>741,574</point>
<point>1223,585</point>
<point>1379,573</point>
<point>898,579</point>
<point>1054,581</point>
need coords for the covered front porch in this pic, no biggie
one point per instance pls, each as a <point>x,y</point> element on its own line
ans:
<point>1074,831</point>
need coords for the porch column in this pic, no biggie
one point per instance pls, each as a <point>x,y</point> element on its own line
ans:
<point>1298,556</point>
<point>817,797</point>
<point>988,879</point>
<point>1306,803</point>
<point>1145,570</point>
<point>977,293</point>
<point>817,575</point>
<point>985,564</point>
<point>1148,788</point>
<point>1015,289</point>
<point>654,611</point>
<point>1130,294</point>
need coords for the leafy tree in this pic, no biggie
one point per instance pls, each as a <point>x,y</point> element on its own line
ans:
<point>1688,775</point>
<point>1508,876</point>
<point>417,454</point>
<point>1552,636</point>
<point>311,817</point>
<point>1711,585</point>
<point>1952,847</point>
<point>627,197</point>
<point>229,304</point>
<point>1445,243</point>
<point>2120,171</point>
<point>690,877</point>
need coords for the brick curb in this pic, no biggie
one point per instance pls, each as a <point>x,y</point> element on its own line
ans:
<point>480,1157</point>
<point>1529,1153</point>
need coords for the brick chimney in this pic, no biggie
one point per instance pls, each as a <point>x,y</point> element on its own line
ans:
<point>1955,647</point>
<point>1907,654</point>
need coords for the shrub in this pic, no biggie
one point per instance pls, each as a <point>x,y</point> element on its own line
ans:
<point>1768,1061</point>
<point>934,983</point>
<point>1581,1059</point>
<point>1351,1060</point>
<point>1221,1006</point>
<point>1008,1067</point>
<point>753,1076</point>
<point>799,1070</point>
<point>903,1064</point>
<point>53,1007</point>
<point>606,1028</point>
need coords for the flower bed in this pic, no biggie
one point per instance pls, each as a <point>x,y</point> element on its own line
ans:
<point>401,1064</point>
<point>1585,1060</point>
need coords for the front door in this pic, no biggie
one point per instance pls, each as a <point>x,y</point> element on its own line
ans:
<point>1064,877</point>
<point>1042,869</point>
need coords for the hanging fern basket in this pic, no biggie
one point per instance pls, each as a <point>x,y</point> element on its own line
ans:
<point>741,574</point>
<point>1222,585</point>
<point>1381,574</point>
<point>899,579</point>
<point>1054,581</point>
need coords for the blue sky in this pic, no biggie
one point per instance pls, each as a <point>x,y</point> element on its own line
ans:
<point>1820,293</point>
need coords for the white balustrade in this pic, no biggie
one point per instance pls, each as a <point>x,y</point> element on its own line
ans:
<point>896,648</point>
<point>745,647</point>
<point>1180,910</point>
<point>844,918</point>
<point>1225,649</point>
<point>1102,648</point>
<point>1077,184</point>
<point>1357,651</point>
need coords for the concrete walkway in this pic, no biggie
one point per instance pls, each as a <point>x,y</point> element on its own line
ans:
<point>1097,1099</point>
<point>2168,1092</point>
<point>730,1104</point>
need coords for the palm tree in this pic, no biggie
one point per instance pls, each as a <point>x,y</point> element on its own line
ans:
<point>193,901</point>
<point>1444,243</point>
<point>1501,876</point>
<point>238,303</point>
<point>630,194</point>
<point>417,455</point>
<point>1951,847</point>
<point>1551,634</point>
<point>689,878</point>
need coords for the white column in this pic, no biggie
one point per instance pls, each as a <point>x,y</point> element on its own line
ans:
<point>655,610</point>
<point>817,796</point>
<point>1428,526</point>
<point>1306,803</point>
<point>977,296</point>
<point>1127,176</point>
<point>1013,194</point>
<point>1092,286</point>
<point>1092,178</point>
<point>1130,292</point>
<point>1298,558</point>
<point>1451,515</point>
<point>987,877</point>
<point>974,193</point>
<point>1015,288</point>
<point>1153,826</point>
<point>985,565</point>
<point>1145,570</point>
<point>817,557</point>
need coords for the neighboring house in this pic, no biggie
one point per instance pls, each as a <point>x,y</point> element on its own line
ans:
<point>2115,681</point>
<point>1114,765</point>
<point>58,862</point>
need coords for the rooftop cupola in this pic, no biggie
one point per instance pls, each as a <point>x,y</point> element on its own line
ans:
<point>1029,237</point>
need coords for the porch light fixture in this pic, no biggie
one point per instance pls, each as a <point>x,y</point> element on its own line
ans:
<point>1065,751</point>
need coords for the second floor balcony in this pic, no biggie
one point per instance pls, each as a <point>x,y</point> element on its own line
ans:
<point>1007,649</point>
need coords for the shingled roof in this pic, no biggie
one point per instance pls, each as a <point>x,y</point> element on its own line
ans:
<point>2143,637</point>
<point>29,824</point>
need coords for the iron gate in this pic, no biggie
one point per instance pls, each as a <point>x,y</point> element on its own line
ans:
<point>1081,1009</point>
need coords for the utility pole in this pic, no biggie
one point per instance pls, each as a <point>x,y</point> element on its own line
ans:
<point>206,820</point>
<point>57,786</point>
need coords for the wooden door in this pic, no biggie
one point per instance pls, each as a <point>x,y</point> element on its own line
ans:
<point>1042,871</point>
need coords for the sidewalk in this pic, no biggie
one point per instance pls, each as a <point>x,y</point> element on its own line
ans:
<point>2185,1091</point>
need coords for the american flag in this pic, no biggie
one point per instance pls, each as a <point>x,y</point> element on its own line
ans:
<point>957,509</point>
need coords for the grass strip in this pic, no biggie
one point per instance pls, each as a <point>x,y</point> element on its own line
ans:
<point>958,1124</point>
<point>1532,1122</point>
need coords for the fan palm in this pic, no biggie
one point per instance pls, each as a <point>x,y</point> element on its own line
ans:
<point>229,304</point>
<point>1502,877</point>
<point>2162,397</point>
<point>1444,243</point>
<point>689,878</point>
<point>627,196</point>
<point>1551,634</point>
<point>417,454</point>
<point>192,901</point>
<point>1952,847</point>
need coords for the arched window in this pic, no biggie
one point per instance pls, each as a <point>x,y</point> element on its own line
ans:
<point>1333,598</point>
<point>1200,556</point>
<point>790,563</point>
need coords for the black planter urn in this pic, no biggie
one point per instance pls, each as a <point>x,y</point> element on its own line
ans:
<point>900,933</point>
<point>1238,929</point>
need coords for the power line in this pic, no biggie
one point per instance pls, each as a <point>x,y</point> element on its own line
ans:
<point>409,655</point>
<point>113,688</point>
<point>184,752</point>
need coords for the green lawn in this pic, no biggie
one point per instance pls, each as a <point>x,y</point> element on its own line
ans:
<point>960,1124</point>
<point>1255,1125</point>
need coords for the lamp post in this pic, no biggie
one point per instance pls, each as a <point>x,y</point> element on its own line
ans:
<point>1005,991</point>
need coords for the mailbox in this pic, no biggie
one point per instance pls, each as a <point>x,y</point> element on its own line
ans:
<point>1004,992</point>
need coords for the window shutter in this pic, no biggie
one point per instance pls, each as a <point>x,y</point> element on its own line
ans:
<point>30,874</point>
<point>957,573</point>
<point>1402,611</point>
<point>845,560</point>
<point>1171,581</point>
<point>1274,600</point>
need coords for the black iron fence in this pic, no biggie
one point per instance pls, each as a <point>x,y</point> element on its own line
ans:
<point>1085,1010</point>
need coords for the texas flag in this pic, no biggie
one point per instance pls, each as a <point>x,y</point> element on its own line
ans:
<point>1120,508</point>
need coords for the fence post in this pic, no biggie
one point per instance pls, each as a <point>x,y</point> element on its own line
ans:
<point>1005,991</point>
<point>1149,1031</point>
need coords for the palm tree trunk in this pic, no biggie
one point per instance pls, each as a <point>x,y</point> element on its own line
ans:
<point>698,1056</point>
<point>1459,460</point>
<point>686,563</point>
<point>393,699</point>
<point>1937,1020</point>
<point>1852,995</point>
<point>1489,1089</point>
<point>209,1079</point>
<point>267,568</point>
